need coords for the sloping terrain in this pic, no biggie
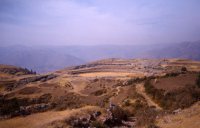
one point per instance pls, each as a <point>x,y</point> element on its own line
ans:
<point>141,90</point>
<point>188,118</point>
<point>111,86</point>
<point>39,119</point>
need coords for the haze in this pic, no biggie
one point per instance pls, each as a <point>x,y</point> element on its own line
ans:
<point>94,22</point>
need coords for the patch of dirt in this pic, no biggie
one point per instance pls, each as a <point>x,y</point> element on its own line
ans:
<point>174,83</point>
<point>47,85</point>
<point>29,90</point>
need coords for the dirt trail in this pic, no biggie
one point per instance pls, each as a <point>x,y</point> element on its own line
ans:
<point>118,90</point>
<point>78,87</point>
<point>116,94</point>
<point>141,90</point>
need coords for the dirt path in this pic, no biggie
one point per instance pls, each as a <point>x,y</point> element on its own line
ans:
<point>116,94</point>
<point>141,90</point>
<point>78,87</point>
<point>118,90</point>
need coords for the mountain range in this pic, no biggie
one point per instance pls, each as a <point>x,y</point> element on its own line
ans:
<point>50,58</point>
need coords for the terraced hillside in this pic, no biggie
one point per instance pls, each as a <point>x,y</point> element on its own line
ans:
<point>105,93</point>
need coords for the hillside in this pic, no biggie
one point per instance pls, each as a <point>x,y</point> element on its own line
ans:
<point>104,93</point>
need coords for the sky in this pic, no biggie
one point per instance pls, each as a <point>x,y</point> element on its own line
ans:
<point>94,22</point>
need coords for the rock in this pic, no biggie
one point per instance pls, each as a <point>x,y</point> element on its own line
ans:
<point>177,111</point>
<point>81,122</point>
<point>96,114</point>
<point>129,123</point>
<point>115,116</point>
<point>27,110</point>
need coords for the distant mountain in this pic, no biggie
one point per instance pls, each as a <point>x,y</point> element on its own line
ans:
<point>188,50</point>
<point>37,59</point>
<point>49,58</point>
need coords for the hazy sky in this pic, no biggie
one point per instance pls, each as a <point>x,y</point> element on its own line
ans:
<point>90,22</point>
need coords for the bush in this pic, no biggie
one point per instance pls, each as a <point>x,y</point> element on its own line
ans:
<point>9,107</point>
<point>97,124</point>
<point>138,105</point>
<point>118,113</point>
<point>78,122</point>
<point>198,80</point>
<point>126,103</point>
<point>146,117</point>
<point>183,69</point>
<point>99,92</point>
<point>173,74</point>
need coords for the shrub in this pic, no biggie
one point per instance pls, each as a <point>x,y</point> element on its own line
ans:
<point>139,105</point>
<point>172,74</point>
<point>146,117</point>
<point>118,113</point>
<point>183,69</point>
<point>77,122</point>
<point>97,124</point>
<point>126,103</point>
<point>198,80</point>
<point>99,92</point>
<point>9,107</point>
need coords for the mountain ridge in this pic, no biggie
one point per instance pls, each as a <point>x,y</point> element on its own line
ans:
<point>45,59</point>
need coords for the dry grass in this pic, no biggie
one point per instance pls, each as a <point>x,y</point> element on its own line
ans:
<point>5,75</point>
<point>41,120</point>
<point>110,74</point>
<point>173,83</point>
<point>188,118</point>
<point>141,90</point>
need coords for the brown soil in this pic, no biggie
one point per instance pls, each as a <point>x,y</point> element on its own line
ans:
<point>29,90</point>
<point>174,83</point>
